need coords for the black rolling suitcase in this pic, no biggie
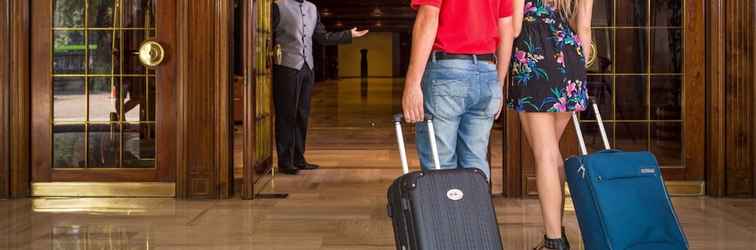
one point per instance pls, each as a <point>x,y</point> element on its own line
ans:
<point>441,209</point>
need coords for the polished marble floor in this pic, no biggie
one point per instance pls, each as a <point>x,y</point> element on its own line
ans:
<point>340,207</point>
<point>327,209</point>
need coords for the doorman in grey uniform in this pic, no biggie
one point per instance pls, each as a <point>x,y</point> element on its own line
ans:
<point>295,25</point>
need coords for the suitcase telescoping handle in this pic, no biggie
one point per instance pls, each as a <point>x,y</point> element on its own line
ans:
<point>398,118</point>
<point>581,140</point>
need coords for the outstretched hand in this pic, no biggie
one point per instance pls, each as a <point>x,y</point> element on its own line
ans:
<point>358,33</point>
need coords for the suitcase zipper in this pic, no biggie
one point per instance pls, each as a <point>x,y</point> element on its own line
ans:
<point>597,205</point>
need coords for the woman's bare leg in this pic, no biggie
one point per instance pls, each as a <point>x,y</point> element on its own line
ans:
<point>541,131</point>
<point>562,119</point>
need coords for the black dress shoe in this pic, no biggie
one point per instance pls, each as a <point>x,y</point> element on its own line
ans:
<point>288,170</point>
<point>308,166</point>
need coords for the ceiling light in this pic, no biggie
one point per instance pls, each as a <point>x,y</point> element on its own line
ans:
<point>377,12</point>
<point>326,12</point>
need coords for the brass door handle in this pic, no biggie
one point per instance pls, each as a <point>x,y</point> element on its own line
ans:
<point>277,55</point>
<point>151,53</point>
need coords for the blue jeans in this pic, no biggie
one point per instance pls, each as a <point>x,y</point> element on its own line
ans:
<point>463,96</point>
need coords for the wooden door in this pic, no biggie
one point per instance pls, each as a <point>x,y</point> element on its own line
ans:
<point>103,123</point>
<point>258,112</point>
<point>649,81</point>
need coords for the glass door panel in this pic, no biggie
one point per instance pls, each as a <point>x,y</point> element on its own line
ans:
<point>640,94</point>
<point>103,97</point>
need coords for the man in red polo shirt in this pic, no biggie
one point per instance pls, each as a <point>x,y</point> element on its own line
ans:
<point>454,76</point>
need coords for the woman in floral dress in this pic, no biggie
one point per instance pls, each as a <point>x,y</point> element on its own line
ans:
<point>548,82</point>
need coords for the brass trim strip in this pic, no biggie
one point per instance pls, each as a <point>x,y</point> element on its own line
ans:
<point>631,121</point>
<point>80,122</point>
<point>99,189</point>
<point>103,75</point>
<point>100,29</point>
<point>128,206</point>
<point>637,74</point>
<point>686,188</point>
<point>87,68</point>
<point>650,27</point>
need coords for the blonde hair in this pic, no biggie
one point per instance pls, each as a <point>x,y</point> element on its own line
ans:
<point>565,7</point>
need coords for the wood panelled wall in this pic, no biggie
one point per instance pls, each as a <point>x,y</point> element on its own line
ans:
<point>739,87</point>
<point>203,99</point>
<point>732,126</point>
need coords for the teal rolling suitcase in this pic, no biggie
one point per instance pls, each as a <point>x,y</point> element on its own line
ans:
<point>620,199</point>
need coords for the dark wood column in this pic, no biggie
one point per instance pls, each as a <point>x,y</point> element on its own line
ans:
<point>715,179</point>
<point>512,171</point>
<point>203,89</point>
<point>14,103</point>
<point>731,122</point>
<point>4,104</point>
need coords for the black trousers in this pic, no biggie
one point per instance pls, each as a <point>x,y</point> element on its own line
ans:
<point>292,90</point>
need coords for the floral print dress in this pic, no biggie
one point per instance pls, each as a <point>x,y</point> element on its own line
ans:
<point>548,66</point>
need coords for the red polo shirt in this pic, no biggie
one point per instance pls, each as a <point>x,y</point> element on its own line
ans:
<point>468,26</point>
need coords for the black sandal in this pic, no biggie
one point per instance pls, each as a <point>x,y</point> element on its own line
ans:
<point>557,244</point>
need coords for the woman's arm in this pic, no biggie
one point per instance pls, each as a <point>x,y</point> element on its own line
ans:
<point>583,14</point>
<point>423,36</point>
<point>517,16</point>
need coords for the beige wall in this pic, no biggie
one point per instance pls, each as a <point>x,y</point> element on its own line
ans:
<point>380,55</point>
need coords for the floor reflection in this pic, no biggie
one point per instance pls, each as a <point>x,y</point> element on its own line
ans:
<point>356,103</point>
<point>105,237</point>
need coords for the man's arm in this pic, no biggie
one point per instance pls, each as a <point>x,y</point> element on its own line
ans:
<point>504,51</point>
<point>518,14</point>
<point>323,37</point>
<point>423,36</point>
